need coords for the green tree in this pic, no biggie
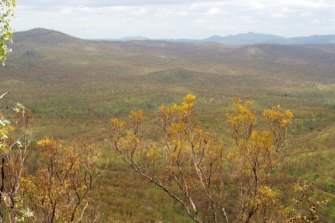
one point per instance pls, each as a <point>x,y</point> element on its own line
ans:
<point>6,31</point>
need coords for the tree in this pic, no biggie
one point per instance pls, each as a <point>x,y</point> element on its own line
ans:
<point>210,182</point>
<point>254,158</point>
<point>6,30</point>
<point>59,190</point>
<point>310,213</point>
<point>14,150</point>
<point>14,141</point>
<point>55,189</point>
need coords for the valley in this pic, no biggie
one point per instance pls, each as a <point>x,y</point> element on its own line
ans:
<point>74,87</point>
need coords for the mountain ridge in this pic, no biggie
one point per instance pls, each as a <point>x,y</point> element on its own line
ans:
<point>249,38</point>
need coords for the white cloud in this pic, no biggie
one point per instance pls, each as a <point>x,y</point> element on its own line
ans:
<point>177,18</point>
<point>305,4</point>
<point>213,11</point>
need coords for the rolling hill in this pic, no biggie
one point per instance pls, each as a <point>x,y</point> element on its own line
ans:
<point>43,36</point>
<point>73,76</point>
<point>75,86</point>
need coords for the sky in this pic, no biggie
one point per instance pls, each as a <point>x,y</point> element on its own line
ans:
<point>195,19</point>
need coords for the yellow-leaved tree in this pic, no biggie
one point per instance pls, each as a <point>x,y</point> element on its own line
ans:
<point>59,190</point>
<point>210,181</point>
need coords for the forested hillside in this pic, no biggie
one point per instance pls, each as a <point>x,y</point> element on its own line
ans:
<point>73,88</point>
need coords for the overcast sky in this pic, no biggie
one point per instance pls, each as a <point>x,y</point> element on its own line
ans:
<point>177,18</point>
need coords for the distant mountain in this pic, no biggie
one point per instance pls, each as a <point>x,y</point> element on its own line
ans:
<point>134,38</point>
<point>316,39</point>
<point>245,38</point>
<point>51,37</point>
<point>259,38</point>
<point>249,39</point>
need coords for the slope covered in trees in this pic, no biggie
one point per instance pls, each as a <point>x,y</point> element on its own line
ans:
<point>74,87</point>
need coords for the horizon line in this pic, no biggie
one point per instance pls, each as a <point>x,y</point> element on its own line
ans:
<point>182,38</point>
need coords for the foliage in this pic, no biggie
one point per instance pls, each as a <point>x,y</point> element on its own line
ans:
<point>59,191</point>
<point>15,148</point>
<point>59,188</point>
<point>194,169</point>
<point>312,216</point>
<point>6,30</point>
<point>74,87</point>
<point>255,157</point>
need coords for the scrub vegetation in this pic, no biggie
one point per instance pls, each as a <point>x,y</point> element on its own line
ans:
<point>149,131</point>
